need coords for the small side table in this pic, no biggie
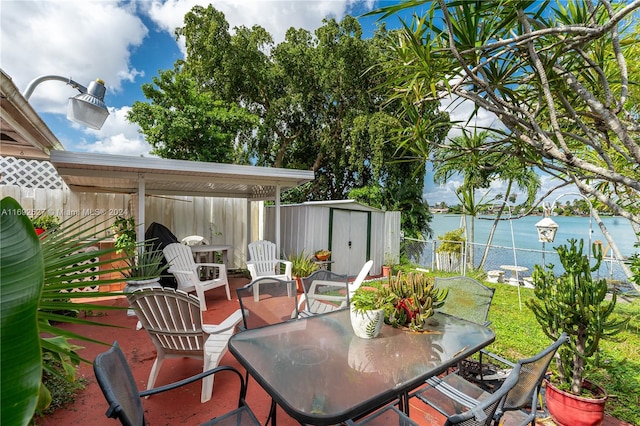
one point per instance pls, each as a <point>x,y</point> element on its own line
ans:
<point>323,264</point>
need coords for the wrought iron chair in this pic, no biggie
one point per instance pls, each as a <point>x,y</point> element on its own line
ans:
<point>387,416</point>
<point>187,272</point>
<point>173,320</point>
<point>453,395</point>
<point>264,262</point>
<point>324,291</point>
<point>467,299</point>
<point>125,404</point>
<point>267,301</point>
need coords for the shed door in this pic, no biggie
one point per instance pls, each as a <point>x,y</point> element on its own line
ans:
<point>349,241</point>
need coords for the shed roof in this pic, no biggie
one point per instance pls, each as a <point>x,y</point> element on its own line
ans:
<point>336,204</point>
<point>92,172</point>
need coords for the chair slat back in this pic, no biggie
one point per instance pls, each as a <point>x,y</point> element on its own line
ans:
<point>119,387</point>
<point>180,258</point>
<point>194,240</point>
<point>171,317</point>
<point>267,301</point>
<point>263,254</point>
<point>468,298</point>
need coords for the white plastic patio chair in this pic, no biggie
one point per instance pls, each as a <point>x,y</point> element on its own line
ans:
<point>324,291</point>
<point>187,272</point>
<point>174,323</point>
<point>263,261</point>
<point>353,285</point>
<point>195,240</point>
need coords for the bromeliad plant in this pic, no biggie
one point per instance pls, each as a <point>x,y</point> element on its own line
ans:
<point>412,299</point>
<point>574,303</point>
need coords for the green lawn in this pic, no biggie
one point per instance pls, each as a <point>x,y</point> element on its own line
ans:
<point>616,369</point>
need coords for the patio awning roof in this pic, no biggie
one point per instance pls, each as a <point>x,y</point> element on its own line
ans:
<point>90,172</point>
<point>23,134</point>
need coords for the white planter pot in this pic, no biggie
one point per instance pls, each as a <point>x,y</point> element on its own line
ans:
<point>367,324</point>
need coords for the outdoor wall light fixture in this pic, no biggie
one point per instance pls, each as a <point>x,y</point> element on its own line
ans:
<point>547,228</point>
<point>87,108</point>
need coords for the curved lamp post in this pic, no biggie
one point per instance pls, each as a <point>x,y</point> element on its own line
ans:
<point>547,228</point>
<point>87,108</point>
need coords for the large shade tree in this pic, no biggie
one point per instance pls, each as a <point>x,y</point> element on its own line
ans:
<point>556,76</point>
<point>313,101</point>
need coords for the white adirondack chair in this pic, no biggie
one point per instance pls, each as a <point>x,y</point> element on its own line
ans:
<point>187,272</point>
<point>264,262</point>
<point>174,322</point>
<point>353,285</point>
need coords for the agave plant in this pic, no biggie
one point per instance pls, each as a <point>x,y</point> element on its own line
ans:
<point>36,292</point>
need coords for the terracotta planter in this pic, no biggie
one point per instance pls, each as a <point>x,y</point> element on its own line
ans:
<point>567,409</point>
<point>322,258</point>
<point>386,270</point>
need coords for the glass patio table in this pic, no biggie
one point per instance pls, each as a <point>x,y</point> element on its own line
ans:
<point>320,373</point>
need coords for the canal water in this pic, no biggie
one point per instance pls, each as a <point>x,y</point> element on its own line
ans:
<point>528,250</point>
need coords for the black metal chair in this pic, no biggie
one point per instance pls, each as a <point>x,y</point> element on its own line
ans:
<point>453,394</point>
<point>119,388</point>
<point>324,291</point>
<point>266,301</point>
<point>467,299</point>
<point>387,416</point>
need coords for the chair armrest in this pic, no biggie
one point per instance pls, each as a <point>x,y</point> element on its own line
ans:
<point>225,325</point>
<point>192,379</point>
<point>211,265</point>
<point>178,271</point>
<point>496,357</point>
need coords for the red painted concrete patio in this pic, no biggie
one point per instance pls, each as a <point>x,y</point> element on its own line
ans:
<point>182,406</point>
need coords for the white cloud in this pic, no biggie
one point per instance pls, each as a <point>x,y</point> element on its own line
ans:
<point>276,16</point>
<point>83,40</point>
<point>117,136</point>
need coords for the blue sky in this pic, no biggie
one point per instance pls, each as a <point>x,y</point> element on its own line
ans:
<point>125,44</point>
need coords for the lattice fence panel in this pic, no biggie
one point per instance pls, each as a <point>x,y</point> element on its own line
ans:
<point>29,173</point>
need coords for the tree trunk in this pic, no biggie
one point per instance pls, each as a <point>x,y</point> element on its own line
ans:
<point>614,249</point>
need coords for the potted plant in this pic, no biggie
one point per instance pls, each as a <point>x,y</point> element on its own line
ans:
<point>124,230</point>
<point>389,261</point>
<point>407,300</point>
<point>449,252</point>
<point>576,304</point>
<point>45,222</point>
<point>145,267</point>
<point>302,265</point>
<point>367,311</point>
<point>323,255</point>
<point>411,299</point>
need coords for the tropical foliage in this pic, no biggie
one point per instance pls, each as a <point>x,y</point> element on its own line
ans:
<point>313,101</point>
<point>576,304</point>
<point>556,76</point>
<point>39,279</point>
